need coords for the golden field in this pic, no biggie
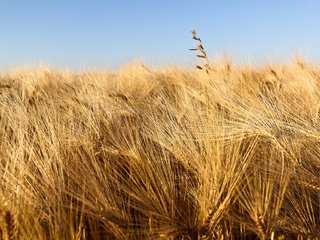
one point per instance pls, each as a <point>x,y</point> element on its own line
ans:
<point>161,154</point>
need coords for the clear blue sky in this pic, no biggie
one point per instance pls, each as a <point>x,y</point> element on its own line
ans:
<point>81,34</point>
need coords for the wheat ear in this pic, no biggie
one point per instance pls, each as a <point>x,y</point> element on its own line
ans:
<point>201,52</point>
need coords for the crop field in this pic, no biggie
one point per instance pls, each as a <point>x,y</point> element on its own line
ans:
<point>164,153</point>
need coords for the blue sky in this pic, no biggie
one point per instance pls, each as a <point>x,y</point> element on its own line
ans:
<point>97,34</point>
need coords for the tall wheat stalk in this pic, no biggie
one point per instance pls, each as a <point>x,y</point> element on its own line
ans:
<point>201,53</point>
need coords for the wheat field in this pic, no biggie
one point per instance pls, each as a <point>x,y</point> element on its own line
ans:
<point>161,154</point>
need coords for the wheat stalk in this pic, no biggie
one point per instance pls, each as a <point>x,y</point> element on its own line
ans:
<point>202,53</point>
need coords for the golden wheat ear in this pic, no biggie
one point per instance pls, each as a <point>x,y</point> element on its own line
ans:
<point>7,226</point>
<point>202,54</point>
<point>8,218</point>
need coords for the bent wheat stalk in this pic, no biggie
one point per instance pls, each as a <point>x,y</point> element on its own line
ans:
<point>201,53</point>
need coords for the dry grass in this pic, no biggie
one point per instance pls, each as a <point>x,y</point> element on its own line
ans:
<point>167,154</point>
